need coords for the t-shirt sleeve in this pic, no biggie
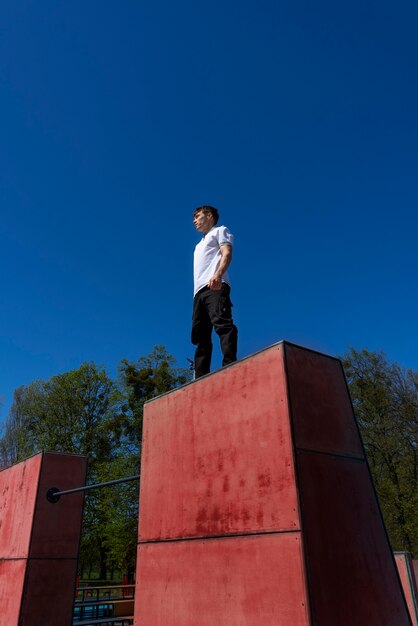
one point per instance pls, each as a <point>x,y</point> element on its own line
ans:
<point>225,237</point>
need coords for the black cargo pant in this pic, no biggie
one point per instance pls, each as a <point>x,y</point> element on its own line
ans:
<point>213,309</point>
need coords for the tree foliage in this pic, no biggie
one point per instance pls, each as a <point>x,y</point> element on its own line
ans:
<point>140,381</point>
<point>16,444</point>
<point>85,412</point>
<point>65,414</point>
<point>385,399</point>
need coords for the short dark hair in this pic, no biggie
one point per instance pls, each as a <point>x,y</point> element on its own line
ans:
<point>208,209</point>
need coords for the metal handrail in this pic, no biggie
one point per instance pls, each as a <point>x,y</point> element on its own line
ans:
<point>54,494</point>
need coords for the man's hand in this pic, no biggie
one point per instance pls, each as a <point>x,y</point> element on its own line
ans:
<point>215,283</point>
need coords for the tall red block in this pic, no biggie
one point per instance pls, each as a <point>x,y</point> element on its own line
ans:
<point>256,503</point>
<point>39,541</point>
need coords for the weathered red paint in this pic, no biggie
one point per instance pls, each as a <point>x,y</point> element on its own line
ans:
<point>18,489</point>
<point>254,580</point>
<point>217,455</point>
<point>267,449</point>
<point>12,577</point>
<point>409,584</point>
<point>39,540</point>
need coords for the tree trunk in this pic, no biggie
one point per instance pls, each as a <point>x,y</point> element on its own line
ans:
<point>103,564</point>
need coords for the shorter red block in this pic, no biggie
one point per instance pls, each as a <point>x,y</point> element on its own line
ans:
<point>51,537</point>
<point>39,540</point>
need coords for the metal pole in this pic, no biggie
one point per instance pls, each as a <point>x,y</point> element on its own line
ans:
<point>54,494</point>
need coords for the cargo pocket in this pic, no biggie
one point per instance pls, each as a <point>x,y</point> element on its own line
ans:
<point>225,306</point>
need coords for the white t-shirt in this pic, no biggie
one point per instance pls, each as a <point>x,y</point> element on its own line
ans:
<point>207,256</point>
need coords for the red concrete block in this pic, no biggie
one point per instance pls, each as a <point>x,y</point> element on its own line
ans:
<point>12,578</point>
<point>349,563</point>
<point>18,489</point>
<point>267,449</point>
<point>322,414</point>
<point>39,541</point>
<point>49,592</point>
<point>50,536</point>
<point>253,580</point>
<point>409,585</point>
<point>217,455</point>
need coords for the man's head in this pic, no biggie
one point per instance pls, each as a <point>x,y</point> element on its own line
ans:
<point>204,218</point>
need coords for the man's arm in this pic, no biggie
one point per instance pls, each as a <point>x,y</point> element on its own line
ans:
<point>215,282</point>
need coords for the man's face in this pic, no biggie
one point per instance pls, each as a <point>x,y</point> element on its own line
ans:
<point>203,221</point>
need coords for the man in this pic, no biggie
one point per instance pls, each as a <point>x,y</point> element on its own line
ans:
<point>212,307</point>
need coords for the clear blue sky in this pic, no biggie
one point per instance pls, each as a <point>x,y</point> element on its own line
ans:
<point>298,120</point>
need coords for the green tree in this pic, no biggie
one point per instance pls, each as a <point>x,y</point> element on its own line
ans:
<point>67,413</point>
<point>385,399</point>
<point>83,411</point>
<point>118,509</point>
<point>16,443</point>
<point>139,381</point>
